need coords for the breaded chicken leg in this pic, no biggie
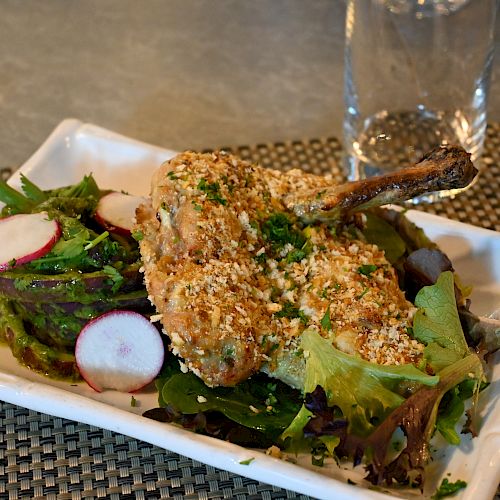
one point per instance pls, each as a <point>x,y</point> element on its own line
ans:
<point>237,278</point>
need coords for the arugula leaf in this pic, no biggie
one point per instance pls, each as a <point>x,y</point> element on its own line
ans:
<point>412,236</point>
<point>437,323</point>
<point>212,423</point>
<point>338,373</point>
<point>452,408</point>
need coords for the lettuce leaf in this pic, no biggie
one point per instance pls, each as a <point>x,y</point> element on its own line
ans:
<point>384,235</point>
<point>417,418</point>
<point>450,410</point>
<point>258,403</point>
<point>437,323</point>
<point>365,392</point>
<point>371,400</point>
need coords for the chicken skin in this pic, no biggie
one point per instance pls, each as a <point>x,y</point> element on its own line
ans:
<point>236,278</point>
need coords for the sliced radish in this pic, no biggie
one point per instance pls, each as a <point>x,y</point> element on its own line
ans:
<point>119,350</point>
<point>116,212</point>
<point>25,237</point>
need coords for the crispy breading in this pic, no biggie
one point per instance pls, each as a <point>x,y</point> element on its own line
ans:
<point>236,279</point>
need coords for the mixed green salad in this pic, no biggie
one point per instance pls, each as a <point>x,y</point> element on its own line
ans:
<point>349,408</point>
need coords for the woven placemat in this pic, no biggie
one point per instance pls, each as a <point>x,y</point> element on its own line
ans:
<point>45,457</point>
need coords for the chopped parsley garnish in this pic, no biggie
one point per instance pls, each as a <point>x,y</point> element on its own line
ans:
<point>288,310</point>
<point>248,461</point>
<point>279,230</point>
<point>137,235</point>
<point>367,269</point>
<point>326,323</point>
<point>115,277</point>
<point>212,191</point>
<point>197,206</point>
<point>228,183</point>
<point>363,293</point>
<point>171,175</point>
<point>261,258</point>
<point>299,253</point>
<point>447,489</point>
<point>133,402</point>
<point>228,355</point>
<point>273,347</point>
<point>270,400</point>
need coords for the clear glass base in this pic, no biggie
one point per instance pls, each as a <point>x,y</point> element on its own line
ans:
<point>393,141</point>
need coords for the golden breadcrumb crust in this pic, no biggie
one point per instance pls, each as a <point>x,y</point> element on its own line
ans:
<point>231,297</point>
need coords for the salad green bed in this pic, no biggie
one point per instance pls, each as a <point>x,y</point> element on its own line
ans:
<point>352,408</point>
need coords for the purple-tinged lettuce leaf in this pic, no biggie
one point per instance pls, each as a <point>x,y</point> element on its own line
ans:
<point>211,423</point>
<point>417,418</point>
<point>364,392</point>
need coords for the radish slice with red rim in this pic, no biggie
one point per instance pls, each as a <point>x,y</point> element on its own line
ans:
<point>116,212</point>
<point>26,237</point>
<point>119,350</point>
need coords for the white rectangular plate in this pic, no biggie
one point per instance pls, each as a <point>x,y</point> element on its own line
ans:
<point>75,149</point>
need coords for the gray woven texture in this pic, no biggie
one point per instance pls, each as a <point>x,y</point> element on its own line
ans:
<point>45,457</point>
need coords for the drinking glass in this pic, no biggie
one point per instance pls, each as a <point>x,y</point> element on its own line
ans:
<point>416,76</point>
